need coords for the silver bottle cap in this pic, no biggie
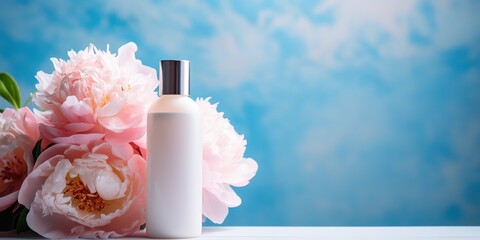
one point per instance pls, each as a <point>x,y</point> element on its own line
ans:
<point>175,77</point>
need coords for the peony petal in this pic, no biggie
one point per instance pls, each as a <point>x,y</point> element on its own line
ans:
<point>24,122</point>
<point>51,132</point>
<point>78,127</point>
<point>42,169</point>
<point>7,200</point>
<point>110,109</point>
<point>225,194</point>
<point>141,142</point>
<point>74,151</point>
<point>55,182</point>
<point>57,226</point>
<point>108,186</point>
<point>126,54</point>
<point>28,158</point>
<point>240,173</point>
<point>47,154</point>
<point>123,120</point>
<point>42,115</point>
<point>122,150</point>
<point>127,135</point>
<point>76,111</point>
<point>36,179</point>
<point>79,138</point>
<point>213,208</point>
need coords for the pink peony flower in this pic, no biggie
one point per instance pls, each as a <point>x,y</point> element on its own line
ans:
<point>18,135</point>
<point>96,95</point>
<point>95,190</point>
<point>223,163</point>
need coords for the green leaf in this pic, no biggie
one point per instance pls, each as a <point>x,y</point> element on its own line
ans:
<point>37,150</point>
<point>16,216</point>
<point>22,225</point>
<point>1,110</point>
<point>9,90</point>
<point>6,95</point>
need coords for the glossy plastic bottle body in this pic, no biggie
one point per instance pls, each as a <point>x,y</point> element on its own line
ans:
<point>174,168</point>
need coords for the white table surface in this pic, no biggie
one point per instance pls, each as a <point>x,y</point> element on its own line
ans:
<point>344,233</point>
<point>330,233</point>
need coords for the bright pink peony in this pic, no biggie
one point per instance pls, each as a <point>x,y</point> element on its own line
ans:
<point>223,163</point>
<point>18,135</point>
<point>96,95</point>
<point>95,190</point>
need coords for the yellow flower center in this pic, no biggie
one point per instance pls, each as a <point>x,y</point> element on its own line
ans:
<point>82,198</point>
<point>126,88</point>
<point>105,100</point>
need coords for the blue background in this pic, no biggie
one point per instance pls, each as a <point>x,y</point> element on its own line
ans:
<point>357,112</point>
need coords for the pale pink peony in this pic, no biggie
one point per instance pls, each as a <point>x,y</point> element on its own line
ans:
<point>96,95</point>
<point>18,135</point>
<point>223,163</point>
<point>95,190</point>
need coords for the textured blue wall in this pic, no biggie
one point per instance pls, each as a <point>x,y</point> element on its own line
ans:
<point>358,112</point>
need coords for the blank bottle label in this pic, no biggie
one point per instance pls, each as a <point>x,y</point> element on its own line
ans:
<point>174,170</point>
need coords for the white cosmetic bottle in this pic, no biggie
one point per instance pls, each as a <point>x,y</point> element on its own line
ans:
<point>174,158</point>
